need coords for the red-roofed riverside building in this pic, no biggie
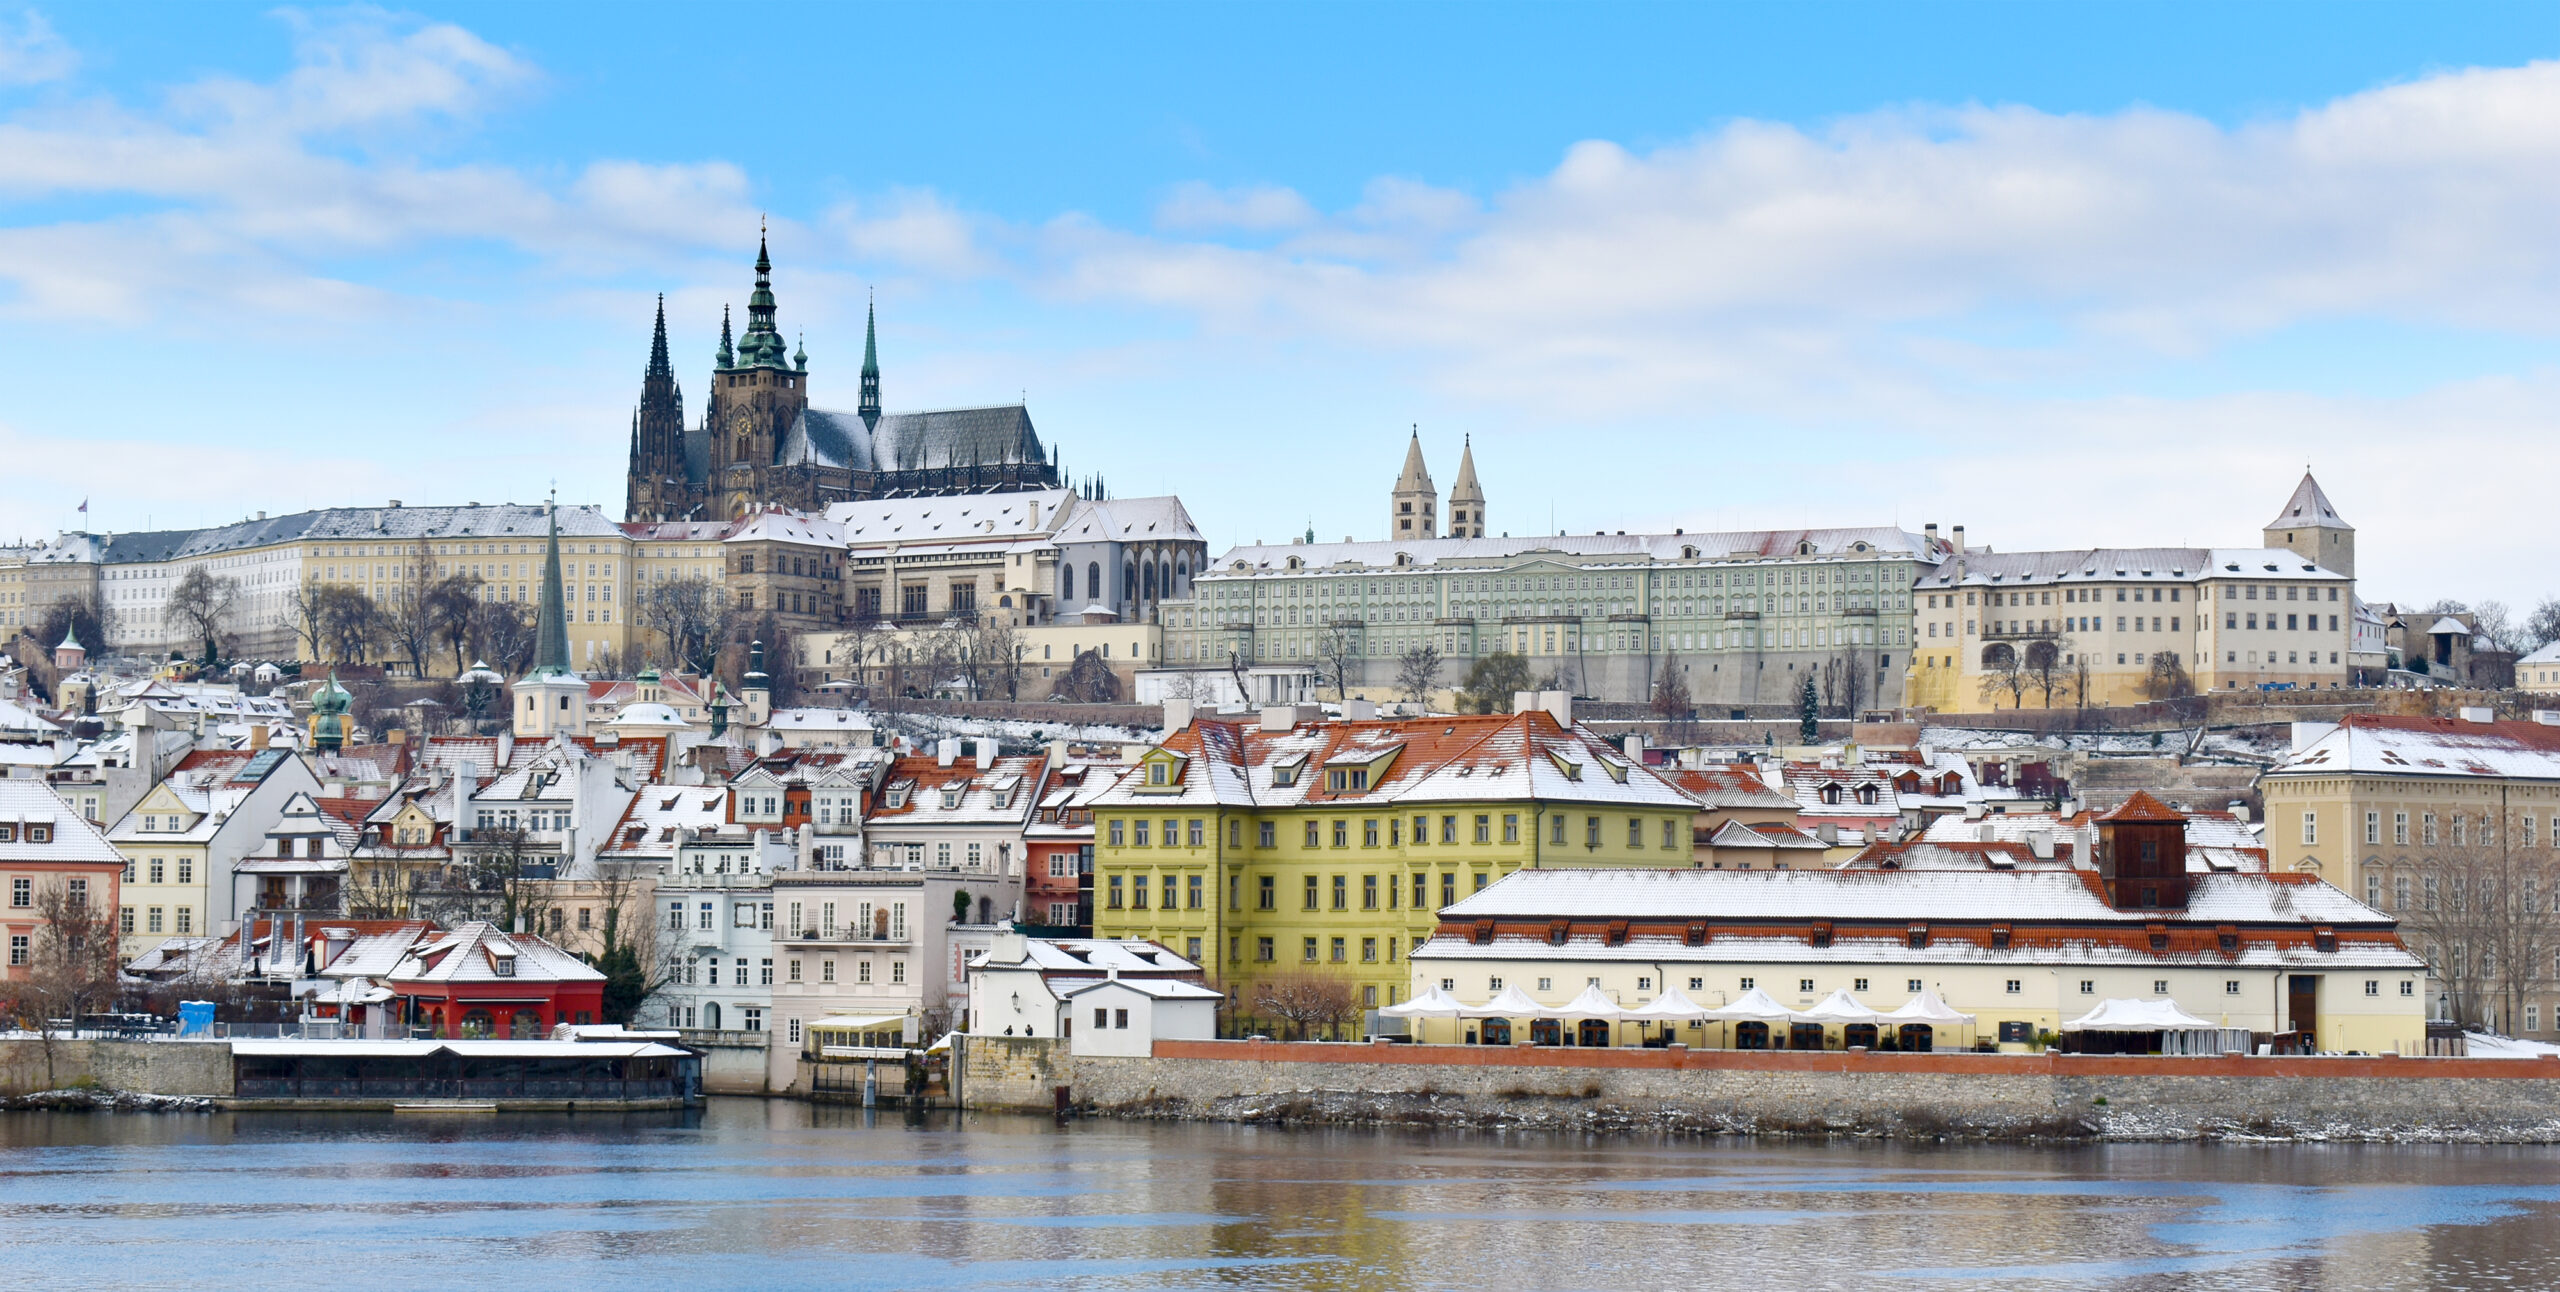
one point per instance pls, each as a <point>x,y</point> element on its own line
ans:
<point>478,981</point>
<point>2430,818</point>
<point>1272,847</point>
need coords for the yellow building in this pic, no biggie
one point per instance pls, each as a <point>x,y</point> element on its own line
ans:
<point>2453,826</point>
<point>1307,848</point>
<point>2108,626</point>
<point>2539,672</point>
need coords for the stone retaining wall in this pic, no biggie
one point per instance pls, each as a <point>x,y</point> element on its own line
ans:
<point>1724,1091</point>
<point>147,1067</point>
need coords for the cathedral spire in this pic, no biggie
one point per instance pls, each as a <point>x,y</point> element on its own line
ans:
<point>659,364</point>
<point>726,359</point>
<point>551,627</point>
<point>870,406</point>
<point>1466,497</point>
<point>1414,504</point>
<point>762,345</point>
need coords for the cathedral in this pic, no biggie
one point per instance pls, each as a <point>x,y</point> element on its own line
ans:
<point>761,445</point>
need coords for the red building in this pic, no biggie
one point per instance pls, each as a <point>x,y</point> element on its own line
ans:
<point>1057,886</point>
<point>476,980</point>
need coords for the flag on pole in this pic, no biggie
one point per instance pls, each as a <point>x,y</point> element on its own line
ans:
<point>84,506</point>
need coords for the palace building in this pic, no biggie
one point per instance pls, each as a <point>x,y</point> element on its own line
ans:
<point>761,444</point>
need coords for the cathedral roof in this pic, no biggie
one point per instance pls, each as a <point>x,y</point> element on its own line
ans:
<point>948,437</point>
<point>2308,508</point>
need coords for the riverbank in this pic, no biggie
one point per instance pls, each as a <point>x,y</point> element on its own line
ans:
<point>98,1099</point>
<point>1920,1097</point>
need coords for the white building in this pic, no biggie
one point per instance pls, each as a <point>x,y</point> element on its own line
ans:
<point>1022,985</point>
<point>716,933</point>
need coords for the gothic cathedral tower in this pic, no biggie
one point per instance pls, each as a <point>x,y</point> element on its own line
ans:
<point>757,395</point>
<point>658,489</point>
<point>1413,509</point>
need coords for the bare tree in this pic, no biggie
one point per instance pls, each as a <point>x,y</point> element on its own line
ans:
<point>1087,681</point>
<point>353,624</point>
<point>506,637</point>
<point>2168,678</point>
<point>1307,998</point>
<point>71,965</point>
<point>2493,626</point>
<point>201,606</point>
<point>996,651</point>
<point>2486,915</point>
<point>2542,627</point>
<point>1337,654</point>
<point>686,615</point>
<point>498,874</point>
<point>1417,671</point>
<point>408,610</point>
<point>2042,661</point>
<point>84,614</point>
<point>2083,685</point>
<point>306,612</point>
<point>451,610</point>
<point>1671,701</point>
<point>1492,680</point>
<point>2004,672</point>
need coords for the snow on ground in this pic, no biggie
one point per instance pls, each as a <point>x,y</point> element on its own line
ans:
<point>2485,1045</point>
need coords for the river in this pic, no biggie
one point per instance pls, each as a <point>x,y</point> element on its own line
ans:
<point>757,1194</point>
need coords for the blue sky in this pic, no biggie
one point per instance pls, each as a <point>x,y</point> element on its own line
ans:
<point>2065,274</point>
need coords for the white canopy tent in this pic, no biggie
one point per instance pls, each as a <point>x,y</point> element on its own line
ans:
<point>2161,1015</point>
<point>1590,1004</point>
<point>1672,1006</point>
<point>1837,1009</point>
<point>1928,1008</point>
<point>1511,1003</point>
<point>1753,1006</point>
<point>1434,1003</point>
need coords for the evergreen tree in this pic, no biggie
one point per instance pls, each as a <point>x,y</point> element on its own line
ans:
<point>1808,712</point>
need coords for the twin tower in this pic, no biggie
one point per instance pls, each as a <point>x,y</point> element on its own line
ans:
<point>1413,511</point>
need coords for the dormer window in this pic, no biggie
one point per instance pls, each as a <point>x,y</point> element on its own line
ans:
<point>1351,779</point>
<point>950,799</point>
<point>39,834</point>
<point>503,966</point>
<point>1156,773</point>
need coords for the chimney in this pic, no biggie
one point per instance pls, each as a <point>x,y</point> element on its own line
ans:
<point>1559,705</point>
<point>946,751</point>
<point>506,749</point>
<point>986,752</point>
<point>257,736</point>
<point>1930,532</point>
<point>1177,714</point>
<point>1958,540</point>
<point>1356,710</point>
<point>2040,842</point>
<point>2473,713</point>
<point>1523,701</point>
<point>1987,832</point>
<point>1828,832</point>
<point>1634,746</point>
<point>1279,717</point>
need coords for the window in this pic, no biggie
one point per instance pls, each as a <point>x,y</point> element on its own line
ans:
<point>1591,832</point>
<point>2427,829</point>
<point>1635,832</point>
<point>897,971</point>
<point>1369,833</point>
<point>1912,986</point>
<point>1342,834</point>
<point>1511,826</point>
<point>17,948</point>
<point>1339,945</point>
<point>2400,828</point>
<point>1262,950</point>
<point>2310,828</point>
<point>1193,834</point>
<point>1368,950</point>
<point>1311,886</point>
<point>1191,896</point>
<point>1448,888</point>
<point>1342,892</point>
<point>1112,897</point>
<point>1307,950</point>
<point>1448,829</point>
<point>1368,892</point>
<point>2372,986</point>
<point>2373,827</point>
<point>1312,834</point>
<point>1267,835</point>
<point>2013,986</point>
<point>22,892</point>
<point>2231,987</point>
<point>1556,834</point>
<point>1269,899</point>
<point>1746,984</point>
<point>1118,838</point>
<point>1138,892</point>
<point>1139,837</point>
<point>2408,988</point>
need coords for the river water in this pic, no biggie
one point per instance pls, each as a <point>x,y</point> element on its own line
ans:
<point>756,1194</point>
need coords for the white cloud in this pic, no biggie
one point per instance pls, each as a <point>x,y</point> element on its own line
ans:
<point>33,53</point>
<point>1198,207</point>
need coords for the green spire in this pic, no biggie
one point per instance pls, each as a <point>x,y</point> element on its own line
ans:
<point>727,359</point>
<point>870,406</point>
<point>551,629</point>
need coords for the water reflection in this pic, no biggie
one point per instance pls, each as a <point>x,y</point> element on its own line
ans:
<point>758,1194</point>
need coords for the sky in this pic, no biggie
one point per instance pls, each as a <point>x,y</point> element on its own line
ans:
<point>2066,275</point>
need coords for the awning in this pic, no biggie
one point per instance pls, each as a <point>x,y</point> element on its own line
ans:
<point>1669,1007</point>
<point>1753,1006</point>
<point>1838,1008</point>
<point>1927,1008</point>
<point>2161,1015</point>
<point>1512,1003</point>
<point>1434,1003</point>
<point>1590,1004</point>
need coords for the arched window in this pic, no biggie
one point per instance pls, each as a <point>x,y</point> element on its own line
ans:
<point>1128,581</point>
<point>1997,655</point>
<point>1066,583</point>
<point>1093,580</point>
<point>1147,580</point>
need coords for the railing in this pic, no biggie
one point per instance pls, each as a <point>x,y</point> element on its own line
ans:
<point>454,1088</point>
<point>305,1030</point>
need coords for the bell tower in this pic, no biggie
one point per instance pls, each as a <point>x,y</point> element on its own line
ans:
<point>1466,497</point>
<point>2310,527</point>
<point>1413,510</point>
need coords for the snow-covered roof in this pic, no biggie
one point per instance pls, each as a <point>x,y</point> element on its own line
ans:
<point>1090,957</point>
<point>1576,549</point>
<point>1916,896</point>
<point>2429,747</point>
<point>1159,988</point>
<point>471,952</point>
<point>74,841</point>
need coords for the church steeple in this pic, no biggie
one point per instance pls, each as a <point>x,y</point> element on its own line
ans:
<point>1413,509</point>
<point>659,364</point>
<point>1466,497</point>
<point>725,359</point>
<point>870,406</point>
<point>655,487</point>
<point>762,346</point>
<point>551,626</point>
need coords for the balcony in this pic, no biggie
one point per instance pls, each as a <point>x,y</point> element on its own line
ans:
<point>1742,614</point>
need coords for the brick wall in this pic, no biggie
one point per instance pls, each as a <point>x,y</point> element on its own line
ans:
<point>1724,1090</point>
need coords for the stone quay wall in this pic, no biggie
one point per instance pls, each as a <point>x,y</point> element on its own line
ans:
<point>142,1067</point>
<point>1834,1092</point>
